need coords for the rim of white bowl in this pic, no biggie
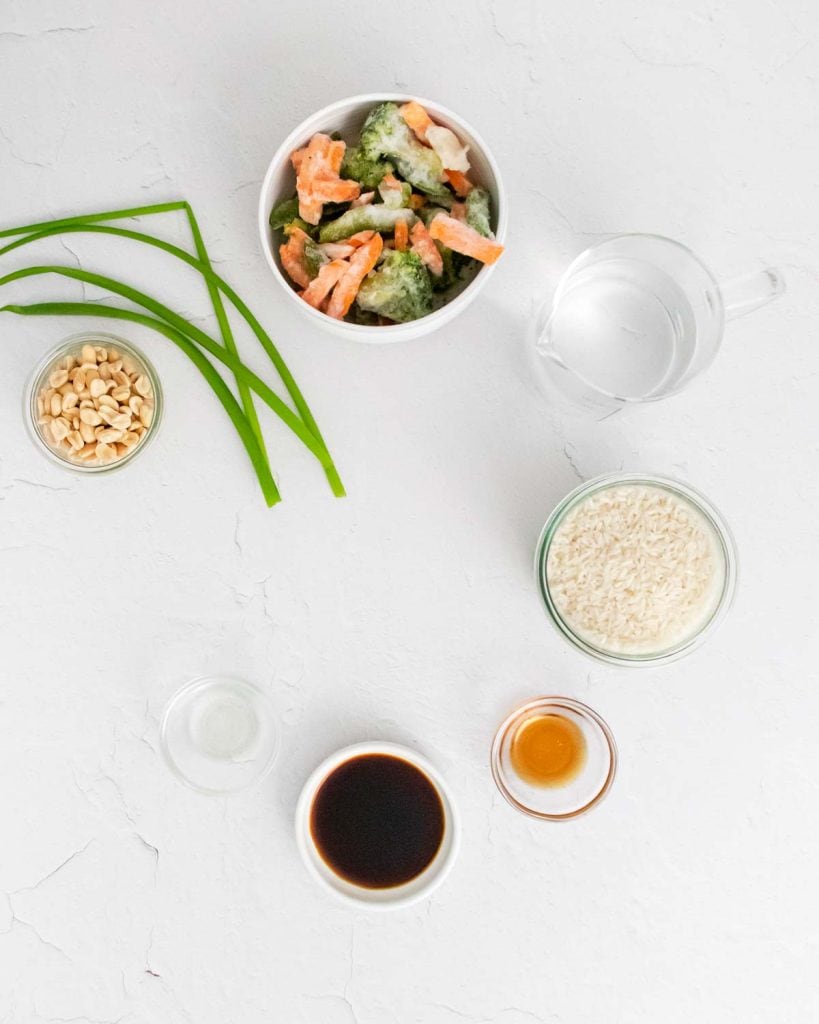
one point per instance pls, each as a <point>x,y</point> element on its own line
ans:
<point>398,896</point>
<point>394,332</point>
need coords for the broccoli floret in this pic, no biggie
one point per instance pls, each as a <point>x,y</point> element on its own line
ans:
<point>400,290</point>
<point>364,218</point>
<point>285,212</point>
<point>387,134</point>
<point>477,211</point>
<point>366,171</point>
<point>395,198</point>
<point>314,257</point>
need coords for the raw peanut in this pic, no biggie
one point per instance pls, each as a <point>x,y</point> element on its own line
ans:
<point>121,421</point>
<point>91,417</point>
<point>70,400</point>
<point>106,400</point>
<point>65,389</point>
<point>138,428</point>
<point>121,378</point>
<point>101,354</point>
<point>129,438</point>
<point>88,452</point>
<point>67,362</point>
<point>146,414</point>
<point>59,429</point>
<point>57,378</point>
<point>86,403</point>
<point>89,355</point>
<point>109,435</point>
<point>121,450</point>
<point>105,371</point>
<point>87,432</point>
<point>97,387</point>
<point>106,415</point>
<point>75,440</point>
<point>105,452</point>
<point>56,405</point>
<point>40,405</point>
<point>84,394</point>
<point>134,402</point>
<point>91,374</point>
<point>113,355</point>
<point>121,394</point>
<point>110,385</point>
<point>79,381</point>
<point>116,365</point>
<point>142,385</point>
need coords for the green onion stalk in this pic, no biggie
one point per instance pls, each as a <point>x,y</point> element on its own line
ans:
<point>185,335</point>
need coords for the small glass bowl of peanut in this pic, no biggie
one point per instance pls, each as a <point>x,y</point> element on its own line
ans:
<point>93,403</point>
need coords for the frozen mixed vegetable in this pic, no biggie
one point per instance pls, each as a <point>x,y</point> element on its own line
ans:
<point>387,230</point>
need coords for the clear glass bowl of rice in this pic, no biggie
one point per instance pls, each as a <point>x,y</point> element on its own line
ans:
<point>636,569</point>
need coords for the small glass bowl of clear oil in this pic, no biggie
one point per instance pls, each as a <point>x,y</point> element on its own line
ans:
<point>554,758</point>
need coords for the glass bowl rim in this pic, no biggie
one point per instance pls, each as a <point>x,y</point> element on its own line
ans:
<point>35,381</point>
<point>695,498</point>
<point>542,703</point>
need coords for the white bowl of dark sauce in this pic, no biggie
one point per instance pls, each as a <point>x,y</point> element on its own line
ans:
<point>376,825</point>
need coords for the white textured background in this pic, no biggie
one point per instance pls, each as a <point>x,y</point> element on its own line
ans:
<point>407,611</point>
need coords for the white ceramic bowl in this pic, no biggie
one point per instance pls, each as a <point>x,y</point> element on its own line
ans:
<point>397,896</point>
<point>347,117</point>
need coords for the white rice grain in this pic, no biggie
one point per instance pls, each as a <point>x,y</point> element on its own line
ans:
<point>635,569</point>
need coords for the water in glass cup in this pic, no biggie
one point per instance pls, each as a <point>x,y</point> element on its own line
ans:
<point>634,320</point>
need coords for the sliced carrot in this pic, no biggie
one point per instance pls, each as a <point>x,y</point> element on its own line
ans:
<point>458,211</point>
<point>333,190</point>
<point>361,264</point>
<point>312,157</point>
<point>320,287</point>
<point>363,200</point>
<point>401,235</point>
<point>359,238</point>
<point>317,177</point>
<point>417,118</point>
<point>423,246</point>
<point>292,257</point>
<point>336,250</point>
<point>426,249</point>
<point>462,185</point>
<point>416,201</point>
<point>336,154</point>
<point>464,239</point>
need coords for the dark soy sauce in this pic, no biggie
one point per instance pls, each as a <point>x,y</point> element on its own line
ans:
<point>377,821</point>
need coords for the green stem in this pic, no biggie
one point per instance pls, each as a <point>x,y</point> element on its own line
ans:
<point>224,327</point>
<point>93,218</point>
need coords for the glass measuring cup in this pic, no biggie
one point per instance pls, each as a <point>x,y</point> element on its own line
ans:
<point>636,319</point>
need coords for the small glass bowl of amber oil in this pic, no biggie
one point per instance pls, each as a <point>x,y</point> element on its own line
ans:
<point>554,758</point>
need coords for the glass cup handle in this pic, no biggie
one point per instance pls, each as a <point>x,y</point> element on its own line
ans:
<point>744,294</point>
